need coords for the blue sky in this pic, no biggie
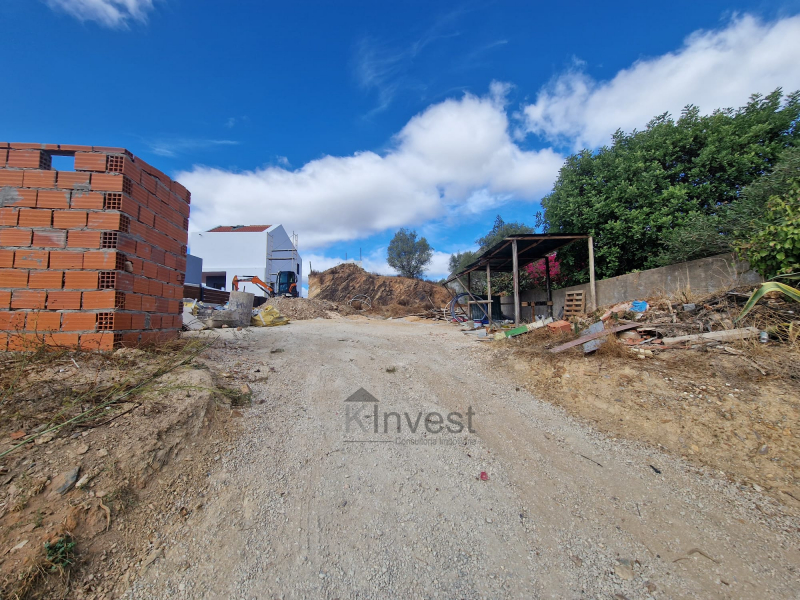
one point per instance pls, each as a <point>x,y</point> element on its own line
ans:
<point>345,121</point>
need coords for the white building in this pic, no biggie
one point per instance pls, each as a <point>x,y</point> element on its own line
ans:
<point>245,250</point>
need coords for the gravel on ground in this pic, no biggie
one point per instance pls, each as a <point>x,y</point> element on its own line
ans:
<point>532,504</point>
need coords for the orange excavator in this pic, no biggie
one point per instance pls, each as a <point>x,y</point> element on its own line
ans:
<point>286,284</point>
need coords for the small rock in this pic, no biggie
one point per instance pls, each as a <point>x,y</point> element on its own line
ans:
<point>82,450</point>
<point>102,453</point>
<point>151,558</point>
<point>19,546</point>
<point>245,389</point>
<point>43,439</point>
<point>623,569</point>
<point>650,586</point>
<point>764,449</point>
<point>577,560</point>
<point>64,482</point>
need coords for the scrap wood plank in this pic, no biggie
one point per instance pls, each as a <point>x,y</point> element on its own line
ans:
<point>593,336</point>
<point>718,336</point>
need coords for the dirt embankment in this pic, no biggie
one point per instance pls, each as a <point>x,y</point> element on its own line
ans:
<point>707,405</point>
<point>391,296</point>
<point>119,446</point>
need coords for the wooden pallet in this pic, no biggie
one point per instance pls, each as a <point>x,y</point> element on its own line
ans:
<point>574,304</point>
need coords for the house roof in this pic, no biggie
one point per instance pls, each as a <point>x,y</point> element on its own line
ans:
<point>530,247</point>
<point>239,228</point>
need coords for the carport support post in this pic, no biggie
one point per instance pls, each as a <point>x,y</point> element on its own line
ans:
<point>489,293</point>
<point>592,284</point>
<point>549,287</point>
<point>469,282</point>
<point>515,265</point>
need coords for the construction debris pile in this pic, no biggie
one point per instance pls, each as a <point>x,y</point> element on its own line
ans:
<point>658,324</point>
<point>200,315</point>
<point>388,296</point>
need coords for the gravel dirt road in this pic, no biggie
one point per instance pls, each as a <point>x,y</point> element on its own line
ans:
<point>303,508</point>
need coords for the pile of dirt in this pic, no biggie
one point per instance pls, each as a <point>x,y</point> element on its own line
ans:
<point>111,438</point>
<point>301,309</point>
<point>391,296</point>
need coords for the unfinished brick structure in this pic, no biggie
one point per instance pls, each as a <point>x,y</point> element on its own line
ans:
<point>91,258</point>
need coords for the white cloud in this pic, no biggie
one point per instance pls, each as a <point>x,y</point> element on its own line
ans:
<point>111,13</point>
<point>713,69</point>
<point>456,155</point>
<point>175,146</point>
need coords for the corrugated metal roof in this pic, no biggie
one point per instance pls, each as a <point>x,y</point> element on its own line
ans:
<point>530,247</point>
<point>239,228</point>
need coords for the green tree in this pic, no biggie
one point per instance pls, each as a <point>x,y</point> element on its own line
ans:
<point>500,230</point>
<point>734,224</point>
<point>409,255</point>
<point>675,175</point>
<point>775,248</point>
<point>502,283</point>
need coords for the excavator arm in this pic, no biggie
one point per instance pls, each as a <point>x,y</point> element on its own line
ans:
<point>265,287</point>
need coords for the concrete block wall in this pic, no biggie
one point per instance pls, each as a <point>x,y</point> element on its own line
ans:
<point>91,258</point>
<point>701,276</point>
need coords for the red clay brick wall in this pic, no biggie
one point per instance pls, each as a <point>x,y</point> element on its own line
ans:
<point>93,258</point>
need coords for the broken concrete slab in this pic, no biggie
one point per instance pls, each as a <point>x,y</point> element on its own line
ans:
<point>719,336</point>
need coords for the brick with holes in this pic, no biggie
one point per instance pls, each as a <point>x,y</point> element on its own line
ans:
<point>64,300</point>
<point>52,199</point>
<point>67,180</point>
<point>9,217</point>
<point>11,178</point>
<point>13,278</point>
<point>103,259</point>
<point>78,321</point>
<point>33,217</point>
<point>18,198</point>
<point>39,179</point>
<point>115,280</point>
<point>49,238</point>
<point>148,304</point>
<point>111,182</point>
<point>90,161</point>
<point>108,221</point>
<point>33,299</point>
<point>133,301</point>
<point>62,340</point>
<point>83,239</point>
<point>31,259</point>
<point>12,321</point>
<point>80,280</point>
<point>43,321</point>
<point>69,219</point>
<point>141,285</point>
<point>110,299</point>
<point>87,200</point>
<point>7,258</point>
<point>28,159</point>
<point>46,280</point>
<point>66,259</point>
<point>105,341</point>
